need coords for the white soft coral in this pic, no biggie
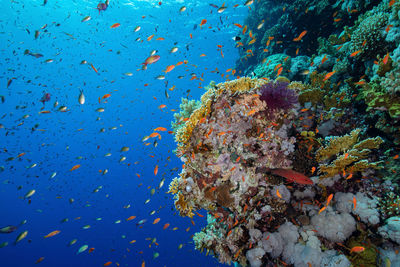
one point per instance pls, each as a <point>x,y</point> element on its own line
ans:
<point>335,227</point>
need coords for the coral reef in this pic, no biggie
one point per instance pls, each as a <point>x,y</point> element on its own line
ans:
<point>301,170</point>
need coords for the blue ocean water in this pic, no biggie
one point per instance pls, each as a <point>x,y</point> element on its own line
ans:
<point>57,141</point>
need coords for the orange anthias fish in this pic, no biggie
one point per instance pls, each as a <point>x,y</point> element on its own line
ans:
<point>75,167</point>
<point>386,58</point>
<point>328,200</point>
<point>292,175</point>
<point>131,218</point>
<point>169,68</point>
<point>115,25</point>
<point>328,75</point>
<point>203,21</point>
<point>357,249</point>
<point>156,170</point>
<point>156,220</point>
<point>279,71</point>
<point>355,53</point>
<point>301,35</point>
<point>160,129</point>
<point>52,234</point>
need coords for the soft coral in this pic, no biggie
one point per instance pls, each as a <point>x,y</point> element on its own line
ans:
<point>278,96</point>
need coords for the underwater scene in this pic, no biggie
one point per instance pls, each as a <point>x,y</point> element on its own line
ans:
<point>200,133</point>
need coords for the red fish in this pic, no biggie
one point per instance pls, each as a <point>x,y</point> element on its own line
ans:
<point>292,176</point>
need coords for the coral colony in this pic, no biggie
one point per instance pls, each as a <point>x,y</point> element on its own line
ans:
<point>300,170</point>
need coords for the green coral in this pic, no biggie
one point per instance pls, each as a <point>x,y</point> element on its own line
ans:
<point>367,35</point>
<point>350,154</point>
<point>376,97</point>
<point>389,204</point>
<point>267,69</point>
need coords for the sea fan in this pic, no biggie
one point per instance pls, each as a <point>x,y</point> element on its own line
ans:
<point>278,96</point>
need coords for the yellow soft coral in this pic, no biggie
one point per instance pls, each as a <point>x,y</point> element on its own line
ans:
<point>350,154</point>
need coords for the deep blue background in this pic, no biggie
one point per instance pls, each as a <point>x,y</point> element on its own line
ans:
<point>132,108</point>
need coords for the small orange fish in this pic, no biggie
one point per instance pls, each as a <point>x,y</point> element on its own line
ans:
<point>203,21</point>
<point>337,20</point>
<point>130,218</point>
<point>313,170</point>
<point>357,249</point>
<point>279,71</point>
<point>355,53</point>
<point>162,106</point>
<point>91,250</point>
<point>155,135</point>
<point>108,263</point>
<point>160,39</point>
<point>156,220</point>
<point>93,68</point>
<point>360,82</point>
<point>238,25</point>
<point>328,200</point>
<point>324,59</point>
<point>75,167</point>
<point>396,156</point>
<point>115,25</point>
<point>328,75</point>
<point>386,58</point>
<point>202,55</point>
<point>354,203</point>
<point>52,234</point>
<point>160,129</point>
<point>106,96</point>
<point>301,35</point>
<point>45,112</point>
<point>169,68</point>
<point>278,194</point>
<point>165,226</point>
<point>156,170</point>
<point>252,41</point>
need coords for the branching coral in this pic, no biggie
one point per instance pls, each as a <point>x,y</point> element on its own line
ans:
<point>173,186</point>
<point>351,154</point>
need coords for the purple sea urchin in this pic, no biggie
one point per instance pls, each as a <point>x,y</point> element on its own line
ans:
<point>278,96</point>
